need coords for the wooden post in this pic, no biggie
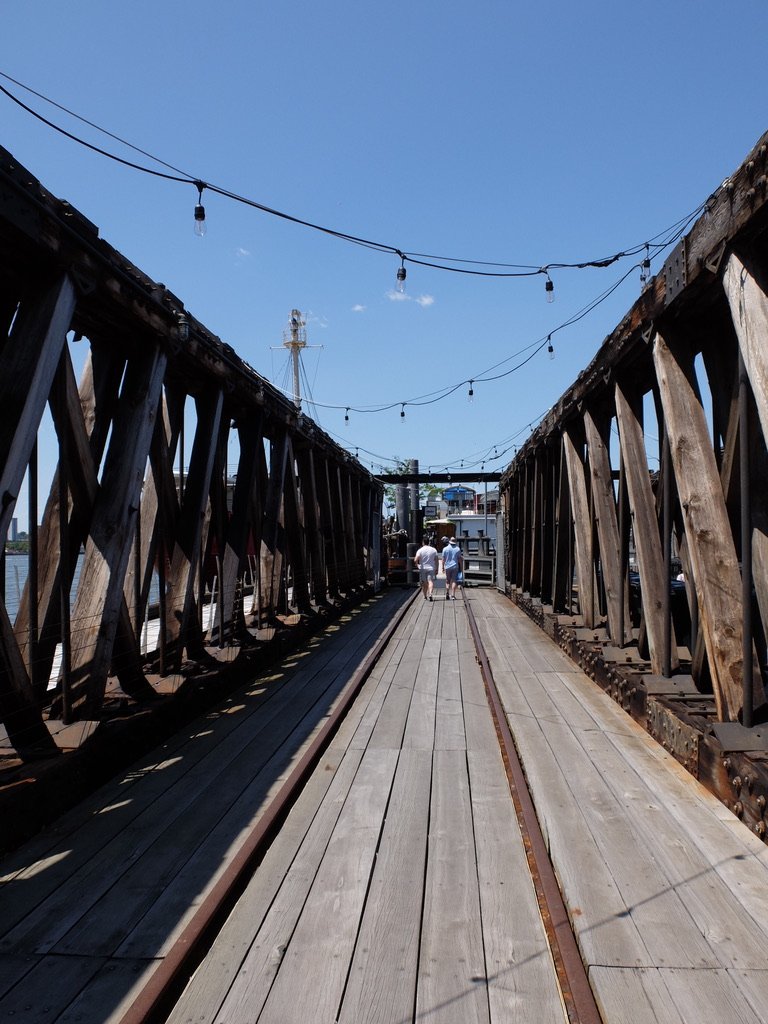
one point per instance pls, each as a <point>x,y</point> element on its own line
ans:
<point>582,525</point>
<point>99,599</point>
<point>240,523</point>
<point>710,543</point>
<point>604,503</point>
<point>645,526</point>
<point>185,558</point>
<point>273,536</point>
<point>561,566</point>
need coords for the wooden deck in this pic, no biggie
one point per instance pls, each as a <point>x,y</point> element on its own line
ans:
<point>398,889</point>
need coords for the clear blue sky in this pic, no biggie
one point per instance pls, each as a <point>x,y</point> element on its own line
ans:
<point>518,133</point>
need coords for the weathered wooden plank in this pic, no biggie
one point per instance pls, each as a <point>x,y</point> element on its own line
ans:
<point>235,981</point>
<point>295,536</point>
<point>420,725</point>
<point>251,440</point>
<point>604,503</point>
<point>159,502</point>
<point>273,535</point>
<point>582,523</point>
<point>382,978</point>
<point>310,982</point>
<point>60,978</point>
<point>27,368</point>
<point>100,591</point>
<point>97,400</point>
<point>313,523</point>
<point>521,977</point>
<point>452,984</point>
<point>562,581</point>
<point>710,544</point>
<point>185,559</point>
<point>644,524</point>
<point>749,310</point>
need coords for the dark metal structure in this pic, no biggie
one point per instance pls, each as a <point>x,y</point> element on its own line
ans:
<point>142,500</point>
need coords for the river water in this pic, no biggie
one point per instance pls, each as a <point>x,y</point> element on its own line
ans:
<point>17,569</point>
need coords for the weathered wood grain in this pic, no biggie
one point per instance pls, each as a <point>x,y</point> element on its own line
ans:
<point>710,542</point>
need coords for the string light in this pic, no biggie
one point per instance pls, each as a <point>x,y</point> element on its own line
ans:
<point>346,416</point>
<point>200,226</point>
<point>492,269</point>
<point>645,266</point>
<point>549,288</point>
<point>550,347</point>
<point>402,413</point>
<point>401,275</point>
<point>471,392</point>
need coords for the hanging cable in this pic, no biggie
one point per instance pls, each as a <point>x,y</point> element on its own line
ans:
<point>493,269</point>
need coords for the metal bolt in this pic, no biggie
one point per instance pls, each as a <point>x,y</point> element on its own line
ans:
<point>760,828</point>
<point>738,808</point>
<point>761,802</point>
<point>727,764</point>
<point>736,782</point>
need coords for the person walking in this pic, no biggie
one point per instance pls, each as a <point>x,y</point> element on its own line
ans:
<point>425,561</point>
<point>452,562</point>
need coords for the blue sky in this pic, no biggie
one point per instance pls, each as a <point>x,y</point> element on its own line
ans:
<point>515,133</point>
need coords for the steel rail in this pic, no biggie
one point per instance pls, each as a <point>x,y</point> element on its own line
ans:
<point>156,999</point>
<point>577,994</point>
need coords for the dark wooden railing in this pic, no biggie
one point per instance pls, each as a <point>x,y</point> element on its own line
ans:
<point>142,502</point>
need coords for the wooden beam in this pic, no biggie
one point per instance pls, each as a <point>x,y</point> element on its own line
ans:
<point>710,544</point>
<point>27,368</point>
<point>561,566</point>
<point>582,524</point>
<point>95,614</point>
<point>629,412</point>
<point>185,559</point>
<point>312,521</point>
<point>241,522</point>
<point>273,535</point>
<point>604,505</point>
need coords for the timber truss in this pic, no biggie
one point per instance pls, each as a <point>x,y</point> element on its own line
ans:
<point>652,465</point>
<point>132,500</point>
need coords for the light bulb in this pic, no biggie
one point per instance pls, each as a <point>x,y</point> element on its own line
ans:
<point>200,225</point>
<point>346,416</point>
<point>645,266</point>
<point>402,413</point>
<point>400,282</point>
<point>471,392</point>
<point>550,348</point>
<point>550,289</point>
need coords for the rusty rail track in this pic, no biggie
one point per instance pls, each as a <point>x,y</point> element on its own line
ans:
<point>156,999</point>
<point>571,973</point>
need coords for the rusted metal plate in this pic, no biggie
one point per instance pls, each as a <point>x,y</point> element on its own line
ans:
<point>675,271</point>
<point>679,738</point>
<point>674,686</point>
<point>734,737</point>
<point>623,656</point>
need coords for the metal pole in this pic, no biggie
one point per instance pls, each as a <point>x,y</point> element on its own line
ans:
<point>746,547</point>
<point>413,532</point>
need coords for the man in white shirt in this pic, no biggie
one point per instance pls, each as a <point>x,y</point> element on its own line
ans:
<point>425,561</point>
